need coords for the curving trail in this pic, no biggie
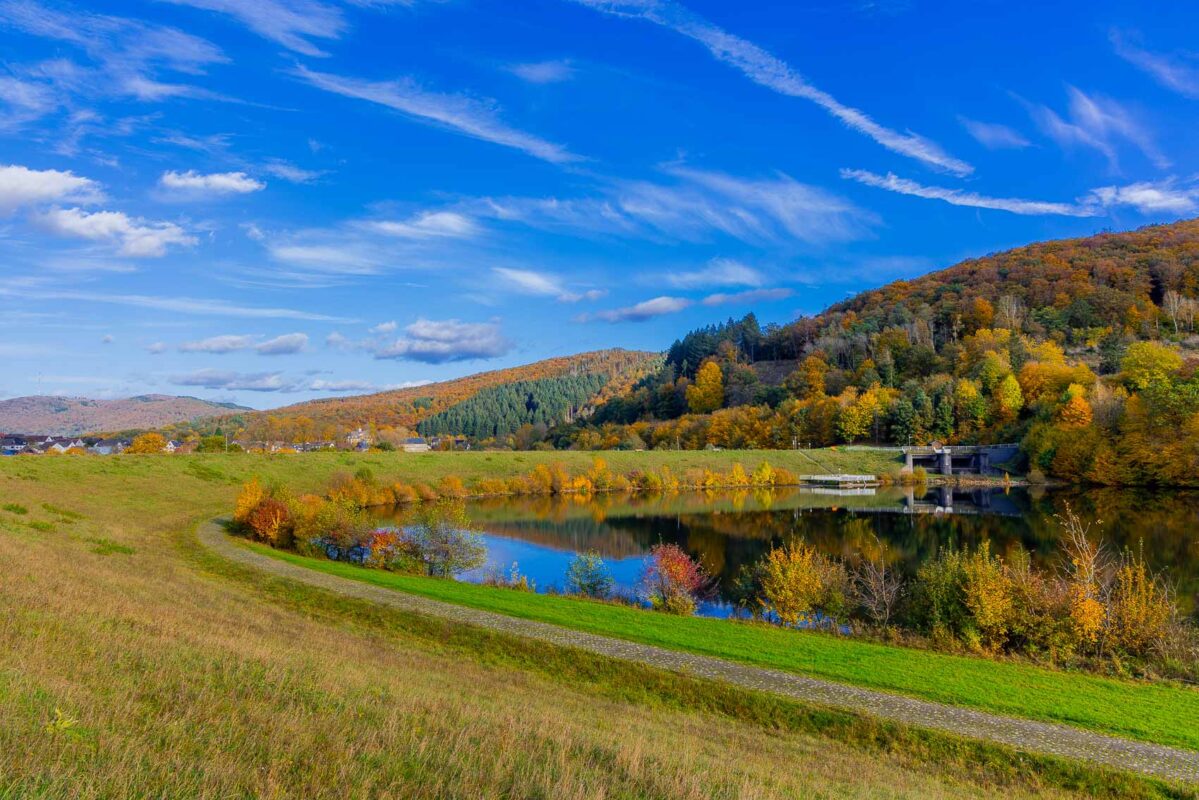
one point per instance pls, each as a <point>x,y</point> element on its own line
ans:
<point>1159,761</point>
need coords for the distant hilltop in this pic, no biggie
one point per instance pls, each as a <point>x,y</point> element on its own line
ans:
<point>71,416</point>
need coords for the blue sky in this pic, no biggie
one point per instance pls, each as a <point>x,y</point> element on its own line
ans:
<point>271,200</point>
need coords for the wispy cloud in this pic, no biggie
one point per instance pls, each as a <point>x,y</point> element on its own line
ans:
<point>179,305</point>
<point>957,197</point>
<point>128,56</point>
<point>1098,123</point>
<point>748,297</point>
<point>291,23</point>
<point>1179,73</point>
<point>465,115</point>
<point>135,237</point>
<point>543,71</point>
<point>717,272</point>
<point>696,205</point>
<point>290,172</point>
<point>286,344</point>
<point>994,136</point>
<point>194,184</point>
<point>639,312</point>
<point>543,285</point>
<point>428,225</point>
<point>237,381</point>
<point>21,186</point>
<point>767,70</point>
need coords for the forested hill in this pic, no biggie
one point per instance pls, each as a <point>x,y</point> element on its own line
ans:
<point>1084,350</point>
<point>553,383</point>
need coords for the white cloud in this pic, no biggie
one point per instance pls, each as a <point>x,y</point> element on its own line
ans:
<point>747,297</point>
<point>236,381</point>
<point>765,69</point>
<point>718,272</point>
<point>384,327</point>
<point>440,341</point>
<point>1149,198</point>
<point>286,344</point>
<point>427,225</point>
<point>134,237</point>
<point>231,343</point>
<point>290,172</point>
<point>1178,73</point>
<point>321,385</point>
<point>698,204</point>
<point>291,23</point>
<point>178,305</point>
<point>228,343</point>
<point>21,186</point>
<point>645,310</point>
<point>1097,123</point>
<point>156,348</point>
<point>957,197</point>
<point>542,285</point>
<point>543,71</point>
<point>466,115</point>
<point>994,136</point>
<point>216,183</point>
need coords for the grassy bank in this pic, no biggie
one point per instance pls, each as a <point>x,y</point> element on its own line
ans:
<point>1162,713</point>
<point>132,665</point>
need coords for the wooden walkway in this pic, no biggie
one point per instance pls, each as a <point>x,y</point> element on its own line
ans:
<point>1159,761</point>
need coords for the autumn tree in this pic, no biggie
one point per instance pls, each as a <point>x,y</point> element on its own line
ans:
<point>807,380</point>
<point>1075,411</point>
<point>1008,398</point>
<point>1147,362</point>
<point>147,443</point>
<point>707,393</point>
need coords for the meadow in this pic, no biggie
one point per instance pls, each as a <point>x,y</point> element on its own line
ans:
<point>133,663</point>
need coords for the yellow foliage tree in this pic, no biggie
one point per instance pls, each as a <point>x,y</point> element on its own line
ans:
<point>1147,362</point>
<point>252,493</point>
<point>791,582</point>
<point>707,393</point>
<point>1076,411</point>
<point>147,443</point>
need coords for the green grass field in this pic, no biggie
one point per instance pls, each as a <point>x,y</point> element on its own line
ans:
<point>135,664</point>
<point>1167,714</point>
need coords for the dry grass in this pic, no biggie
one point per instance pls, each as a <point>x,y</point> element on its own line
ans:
<point>127,670</point>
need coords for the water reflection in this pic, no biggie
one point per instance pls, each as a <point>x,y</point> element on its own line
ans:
<point>727,530</point>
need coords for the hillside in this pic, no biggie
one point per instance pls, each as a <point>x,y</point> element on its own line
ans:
<point>71,416</point>
<point>1084,350</point>
<point>549,391</point>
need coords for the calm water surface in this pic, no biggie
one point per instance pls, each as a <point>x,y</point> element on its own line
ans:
<point>728,530</point>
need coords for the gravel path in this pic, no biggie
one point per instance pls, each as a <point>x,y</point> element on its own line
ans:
<point>1042,737</point>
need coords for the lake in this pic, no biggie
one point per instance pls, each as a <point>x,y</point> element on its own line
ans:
<point>727,530</point>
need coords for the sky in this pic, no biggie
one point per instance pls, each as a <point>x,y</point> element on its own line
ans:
<point>267,201</point>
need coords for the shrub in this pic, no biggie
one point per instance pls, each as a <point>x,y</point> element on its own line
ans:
<point>403,494</point>
<point>763,475</point>
<point>938,602</point>
<point>1140,608</point>
<point>791,583</point>
<point>512,579</point>
<point>987,591</point>
<point>798,581</point>
<point>588,575</point>
<point>451,486</point>
<point>673,581</point>
<point>876,587</point>
<point>252,493</point>
<point>270,522</point>
<point>444,540</point>
<point>491,486</point>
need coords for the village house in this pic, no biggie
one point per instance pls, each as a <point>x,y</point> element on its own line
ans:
<point>12,445</point>
<point>110,447</point>
<point>415,445</point>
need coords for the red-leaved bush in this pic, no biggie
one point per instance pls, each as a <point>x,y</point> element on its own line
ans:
<point>673,581</point>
